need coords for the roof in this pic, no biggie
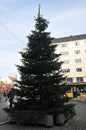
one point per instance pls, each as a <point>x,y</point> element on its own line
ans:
<point>2,83</point>
<point>69,38</point>
<point>12,78</point>
<point>5,85</point>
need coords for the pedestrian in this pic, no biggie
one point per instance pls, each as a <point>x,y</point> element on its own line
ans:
<point>5,96</point>
<point>10,97</point>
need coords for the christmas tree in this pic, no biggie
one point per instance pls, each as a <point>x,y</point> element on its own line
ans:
<point>41,86</point>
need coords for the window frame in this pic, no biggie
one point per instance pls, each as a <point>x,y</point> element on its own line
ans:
<point>79,79</point>
<point>69,79</point>
<point>77,60</point>
<point>78,69</point>
<point>65,70</point>
<point>77,51</point>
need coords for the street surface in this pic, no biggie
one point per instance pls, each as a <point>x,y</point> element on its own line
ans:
<point>77,123</point>
<point>3,115</point>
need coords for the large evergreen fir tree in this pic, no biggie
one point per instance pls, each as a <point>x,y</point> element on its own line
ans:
<point>41,86</point>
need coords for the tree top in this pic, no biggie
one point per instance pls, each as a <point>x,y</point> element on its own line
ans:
<point>39,10</point>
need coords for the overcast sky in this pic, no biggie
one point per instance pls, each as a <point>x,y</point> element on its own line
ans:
<point>66,17</point>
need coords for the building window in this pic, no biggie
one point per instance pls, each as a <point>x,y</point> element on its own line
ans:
<point>66,61</point>
<point>77,52</point>
<point>65,70</point>
<point>76,43</point>
<point>69,79</point>
<point>79,79</point>
<point>77,60</point>
<point>65,53</point>
<point>85,42</point>
<point>64,45</point>
<point>78,69</point>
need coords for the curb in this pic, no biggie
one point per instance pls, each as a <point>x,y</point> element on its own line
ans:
<point>4,122</point>
<point>82,100</point>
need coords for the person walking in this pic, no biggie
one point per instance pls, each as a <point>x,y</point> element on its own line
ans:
<point>10,96</point>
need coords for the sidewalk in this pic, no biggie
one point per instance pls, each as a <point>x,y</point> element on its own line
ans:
<point>77,123</point>
<point>3,116</point>
<point>79,99</point>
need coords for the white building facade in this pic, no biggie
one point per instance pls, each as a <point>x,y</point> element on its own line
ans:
<point>73,54</point>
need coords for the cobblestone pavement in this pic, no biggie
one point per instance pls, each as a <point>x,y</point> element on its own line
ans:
<point>77,123</point>
<point>3,115</point>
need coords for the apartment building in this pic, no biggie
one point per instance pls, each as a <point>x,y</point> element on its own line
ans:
<point>73,54</point>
